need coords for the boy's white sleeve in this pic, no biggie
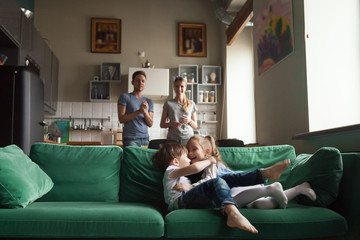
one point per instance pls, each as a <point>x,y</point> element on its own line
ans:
<point>210,172</point>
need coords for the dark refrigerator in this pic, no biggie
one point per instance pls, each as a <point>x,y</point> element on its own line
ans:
<point>22,107</point>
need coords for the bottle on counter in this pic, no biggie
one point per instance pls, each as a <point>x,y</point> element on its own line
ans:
<point>108,137</point>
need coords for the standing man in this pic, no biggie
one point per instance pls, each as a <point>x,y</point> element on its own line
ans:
<point>136,112</point>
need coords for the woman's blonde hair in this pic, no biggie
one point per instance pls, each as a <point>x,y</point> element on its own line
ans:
<point>185,102</point>
<point>208,142</point>
<point>166,153</point>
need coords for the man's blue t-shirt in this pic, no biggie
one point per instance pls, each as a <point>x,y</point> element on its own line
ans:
<point>137,127</point>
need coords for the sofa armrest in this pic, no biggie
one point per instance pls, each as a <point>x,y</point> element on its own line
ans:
<point>347,203</point>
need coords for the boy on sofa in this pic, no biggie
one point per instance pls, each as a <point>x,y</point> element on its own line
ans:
<point>172,159</point>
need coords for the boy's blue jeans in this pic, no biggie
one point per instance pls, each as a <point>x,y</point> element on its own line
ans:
<point>216,192</point>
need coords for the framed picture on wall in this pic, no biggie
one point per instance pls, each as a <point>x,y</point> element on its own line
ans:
<point>110,71</point>
<point>105,35</point>
<point>192,40</point>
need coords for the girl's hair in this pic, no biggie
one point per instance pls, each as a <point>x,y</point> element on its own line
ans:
<point>208,142</point>
<point>166,153</point>
<point>185,102</point>
<point>138,73</point>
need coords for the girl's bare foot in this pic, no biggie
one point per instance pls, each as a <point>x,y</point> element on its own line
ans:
<point>236,219</point>
<point>274,172</point>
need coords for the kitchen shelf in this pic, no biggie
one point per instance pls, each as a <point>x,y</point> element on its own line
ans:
<point>189,72</point>
<point>76,118</point>
<point>100,91</point>
<point>211,74</point>
<point>201,89</point>
<point>210,122</point>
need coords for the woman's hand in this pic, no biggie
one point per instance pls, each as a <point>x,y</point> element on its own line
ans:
<point>182,187</point>
<point>185,119</point>
<point>175,124</point>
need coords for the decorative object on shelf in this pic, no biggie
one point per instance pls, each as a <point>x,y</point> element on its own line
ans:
<point>192,40</point>
<point>96,78</point>
<point>110,71</point>
<point>105,35</point>
<point>147,64</point>
<point>212,77</point>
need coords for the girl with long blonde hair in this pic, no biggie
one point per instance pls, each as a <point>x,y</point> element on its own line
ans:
<point>179,114</point>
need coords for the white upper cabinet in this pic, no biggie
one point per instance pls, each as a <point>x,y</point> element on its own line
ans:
<point>157,82</point>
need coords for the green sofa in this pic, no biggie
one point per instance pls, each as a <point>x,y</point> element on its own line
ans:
<point>108,192</point>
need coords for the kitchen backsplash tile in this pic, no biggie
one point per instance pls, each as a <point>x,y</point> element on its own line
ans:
<point>93,112</point>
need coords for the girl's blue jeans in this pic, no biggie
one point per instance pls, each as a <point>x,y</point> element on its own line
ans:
<point>216,192</point>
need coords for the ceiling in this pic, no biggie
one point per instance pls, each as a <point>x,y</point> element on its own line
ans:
<point>233,6</point>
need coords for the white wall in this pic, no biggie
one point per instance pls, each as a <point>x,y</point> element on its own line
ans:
<point>240,88</point>
<point>150,26</point>
<point>281,98</point>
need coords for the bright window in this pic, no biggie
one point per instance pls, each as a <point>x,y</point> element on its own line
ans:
<point>332,31</point>
<point>240,88</point>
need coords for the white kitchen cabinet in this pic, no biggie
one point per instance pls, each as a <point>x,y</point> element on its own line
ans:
<point>157,82</point>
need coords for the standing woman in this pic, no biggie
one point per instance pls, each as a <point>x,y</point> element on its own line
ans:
<point>180,113</point>
<point>136,112</point>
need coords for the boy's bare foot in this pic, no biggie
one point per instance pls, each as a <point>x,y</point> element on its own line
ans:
<point>236,219</point>
<point>274,172</point>
<point>306,190</point>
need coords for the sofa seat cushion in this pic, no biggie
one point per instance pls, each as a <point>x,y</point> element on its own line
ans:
<point>82,220</point>
<point>297,221</point>
<point>80,173</point>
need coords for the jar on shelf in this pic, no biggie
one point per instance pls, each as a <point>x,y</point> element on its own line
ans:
<point>188,94</point>
<point>191,77</point>
<point>206,96</point>
<point>201,96</point>
<point>185,76</point>
<point>212,96</point>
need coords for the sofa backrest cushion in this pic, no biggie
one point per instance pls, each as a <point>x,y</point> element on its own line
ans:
<point>21,180</point>
<point>250,158</point>
<point>323,170</point>
<point>141,180</point>
<point>80,173</point>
